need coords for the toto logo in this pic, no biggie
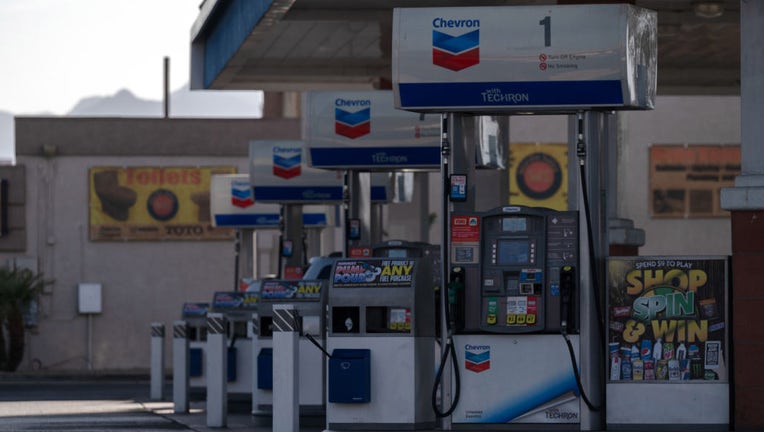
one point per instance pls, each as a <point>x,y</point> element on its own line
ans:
<point>455,43</point>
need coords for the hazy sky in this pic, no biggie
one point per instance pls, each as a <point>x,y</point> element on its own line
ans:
<point>55,52</point>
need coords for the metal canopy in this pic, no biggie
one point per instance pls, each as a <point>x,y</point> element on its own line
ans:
<point>285,45</point>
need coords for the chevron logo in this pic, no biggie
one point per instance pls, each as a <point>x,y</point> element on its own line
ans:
<point>477,358</point>
<point>287,162</point>
<point>455,52</point>
<point>241,194</point>
<point>352,124</point>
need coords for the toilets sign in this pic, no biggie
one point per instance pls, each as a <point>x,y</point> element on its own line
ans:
<point>524,58</point>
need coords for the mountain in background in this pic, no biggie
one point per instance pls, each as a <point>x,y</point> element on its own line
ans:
<point>122,104</point>
<point>183,103</point>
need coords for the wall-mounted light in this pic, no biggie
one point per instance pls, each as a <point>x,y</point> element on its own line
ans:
<point>708,9</point>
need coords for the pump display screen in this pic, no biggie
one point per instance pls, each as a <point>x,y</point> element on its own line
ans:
<point>396,253</point>
<point>512,252</point>
<point>514,224</point>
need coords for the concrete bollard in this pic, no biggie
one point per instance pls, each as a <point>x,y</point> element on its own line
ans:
<point>286,397</point>
<point>180,367</point>
<point>255,332</point>
<point>217,370</point>
<point>157,361</point>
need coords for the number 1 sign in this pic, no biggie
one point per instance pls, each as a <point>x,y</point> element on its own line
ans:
<point>524,58</point>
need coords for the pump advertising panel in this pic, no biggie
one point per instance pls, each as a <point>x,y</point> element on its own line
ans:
<point>306,290</point>
<point>524,58</point>
<point>233,205</point>
<point>363,130</point>
<point>668,320</point>
<point>373,273</point>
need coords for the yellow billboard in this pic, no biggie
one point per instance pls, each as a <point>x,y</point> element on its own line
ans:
<point>538,175</point>
<point>153,203</point>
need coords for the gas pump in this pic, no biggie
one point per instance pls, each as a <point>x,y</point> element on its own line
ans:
<point>381,338</point>
<point>309,300</point>
<point>195,315</point>
<point>237,307</point>
<point>512,276</point>
<point>514,269</point>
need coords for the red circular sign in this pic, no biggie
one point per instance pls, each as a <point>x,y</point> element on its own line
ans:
<point>539,176</point>
<point>162,205</point>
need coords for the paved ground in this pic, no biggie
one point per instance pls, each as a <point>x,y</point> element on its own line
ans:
<point>105,405</point>
<point>110,404</point>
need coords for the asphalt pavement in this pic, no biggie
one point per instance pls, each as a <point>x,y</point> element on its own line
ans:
<point>45,404</point>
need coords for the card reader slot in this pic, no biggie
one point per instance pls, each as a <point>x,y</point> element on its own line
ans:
<point>376,319</point>
<point>526,288</point>
<point>266,326</point>
<point>511,282</point>
<point>346,319</point>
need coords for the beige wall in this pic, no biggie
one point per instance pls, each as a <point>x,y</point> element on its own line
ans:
<point>143,282</point>
<point>676,120</point>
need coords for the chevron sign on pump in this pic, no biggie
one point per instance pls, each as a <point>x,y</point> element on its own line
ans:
<point>529,59</point>
<point>477,358</point>
<point>455,52</point>
<point>287,162</point>
<point>352,118</point>
<point>241,193</point>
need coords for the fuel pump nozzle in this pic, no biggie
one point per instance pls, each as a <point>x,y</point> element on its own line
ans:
<point>455,291</point>
<point>567,285</point>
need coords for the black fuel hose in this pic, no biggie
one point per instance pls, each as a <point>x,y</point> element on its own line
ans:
<point>449,350</point>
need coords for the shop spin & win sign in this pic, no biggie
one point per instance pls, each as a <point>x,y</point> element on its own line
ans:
<point>667,318</point>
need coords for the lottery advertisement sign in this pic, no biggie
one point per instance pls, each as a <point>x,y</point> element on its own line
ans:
<point>667,319</point>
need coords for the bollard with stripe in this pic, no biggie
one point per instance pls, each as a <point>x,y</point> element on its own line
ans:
<point>180,367</point>
<point>286,337</point>
<point>254,327</point>
<point>217,370</point>
<point>157,361</point>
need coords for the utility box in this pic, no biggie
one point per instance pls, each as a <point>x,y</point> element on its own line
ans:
<point>90,298</point>
<point>350,376</point>
<point>265,369</point>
